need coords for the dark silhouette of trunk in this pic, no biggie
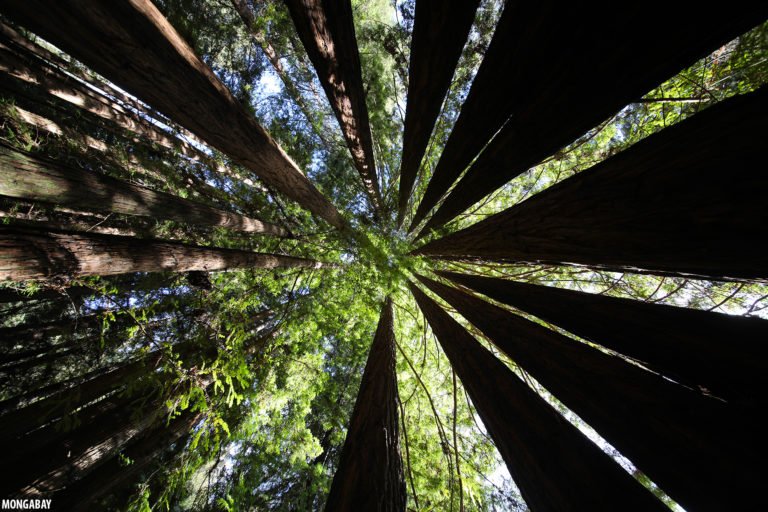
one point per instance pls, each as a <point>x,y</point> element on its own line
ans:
<point>63,398</point>
<point>699,450</point>
<point>541,84</point>
<point>440,29</point>
<point>661,205</point>
<point>722,354</point>
<point>112,476</point>
<point>83,451</point>
<point>327,32</point>
<point>166,73</point>
<point>32,254</point>
<point>28,177</point>
<point>370,473</point>
<point>555,466</point>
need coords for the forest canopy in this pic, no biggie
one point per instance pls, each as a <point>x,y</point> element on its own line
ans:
<point>267,255</point>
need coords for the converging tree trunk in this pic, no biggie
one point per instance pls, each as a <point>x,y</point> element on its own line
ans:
<point>327,31</point>
<point>661,205</point>
<point>555,466</point>
<point>370,472</point>
<point>166,73</point>
<point>440,29</point>
<point>699,450</point>
<point>24,176</point>
<point>723,355</point>
<point>30,254</point>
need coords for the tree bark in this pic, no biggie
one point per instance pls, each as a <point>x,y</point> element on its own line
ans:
<point>661,205</point>
<point>439,32</point>
<point>24,176</point>
<point>370,473</point>
<point>31,254</point>
<point>542,85</point>
<point>699,450</point>
<point>555,466</point>
<point>327,32</point>
<point>165,72</point>
<point>722,354</point>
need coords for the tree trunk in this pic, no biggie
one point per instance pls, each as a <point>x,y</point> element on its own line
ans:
<point>327,31</point>
<point>67,397</point>
<point>113,476</point>
<point>660,205</point>
<point>699,450</point>
<point>370,473</point>
<point>555,466</point>
<point>440,30</point>
<point>542,85</point>
<point>31,254</point>
<point>24,176</point>
<point>722,354</point>
<point>166,73</point>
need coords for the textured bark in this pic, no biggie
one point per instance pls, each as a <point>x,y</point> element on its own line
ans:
<point>687,199</point>
<point>440,30</point>
<point>549,76</point>
<point>370,473</point>
<point>24,176</point>
<point>327,32</point>
<point>699,450</point>
<point>30,254</point>
<point>555,466</point>
<point>165,72</point>
<point>723,354</point>
<point>50,80</point>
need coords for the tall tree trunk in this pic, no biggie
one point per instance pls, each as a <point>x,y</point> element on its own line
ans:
<point>723,354</point>
<point>699,450</point>
<point>659,206</point>
<point>25,176</point>
<point>83,451</point>
<point>532,95</point>
<point>555,466</point>
<point>370,473</point>
<point>166,73</point>
<point>30,254</point>
<point>328,33</point>
<point>440,30</point>
<point>67,397</point>
<point>113,476</point>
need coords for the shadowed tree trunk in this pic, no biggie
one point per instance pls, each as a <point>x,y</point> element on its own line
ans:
<point>440,30</point>
<point>166,73</point>
<point>699,450</point>
<point>724,354</point>
<point>662,205</point>
<point>23,176</point>
<point>84,450</point>
<point>113,476</point>
<point>63,398</point>
<point>542,84</point>
<point>31,254</point>
<point>555,466</point>
<point>370,473</point>
<point>327,32</point>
